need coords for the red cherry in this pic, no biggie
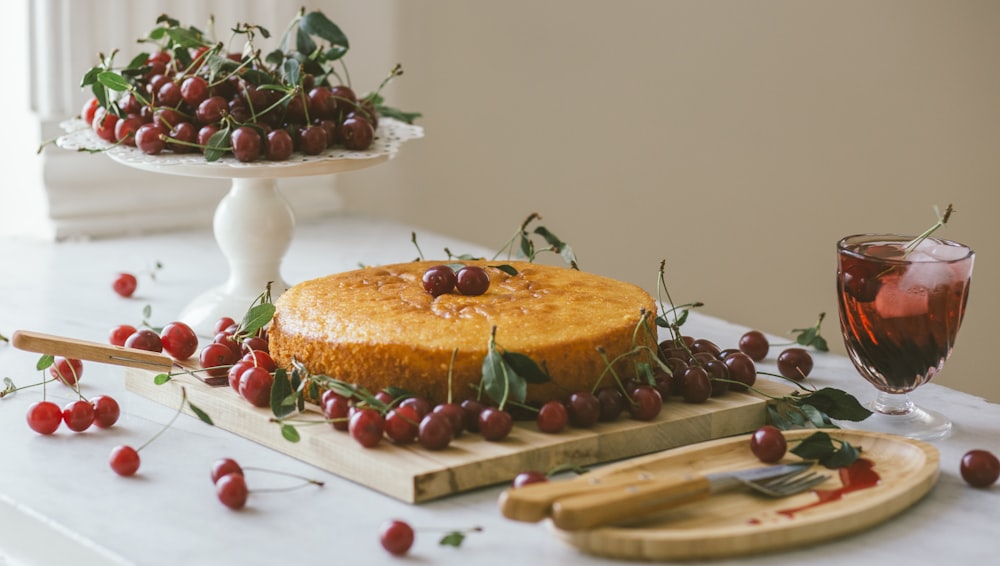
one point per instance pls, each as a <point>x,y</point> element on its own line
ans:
<point>124,284</point>
<point>396,537</point>
<point>337,410</point>
<point>472,280</point>
<point>223,324</point>
<point>44,417</point>
<point>67,370</point>
<point>529,477</point>
<point>402,424</point>
<point>145,339</point>
<point>120,334</point>
<point>455,414</point>
<point>435,431</point>
<point>795,363</point>
<point>124,460</point>
<point>980,468</point>
<point>646,403</point>
<point>78,415</point>
<point>106,411</point>
<point>768,444</point>
<point>89,108</point>
<point>231,489</point>
<point>235,371</point>
<point>223,467</point>
<point>215,359</point>
<point>754,344</point>
<point>260,358</point>
<point>495,424</point>
<point>179,340</point>
<point>552,417</point>
<point>366,426</point>
<point>255,386</point>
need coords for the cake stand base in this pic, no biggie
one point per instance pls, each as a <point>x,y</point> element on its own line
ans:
<point>253,226</point>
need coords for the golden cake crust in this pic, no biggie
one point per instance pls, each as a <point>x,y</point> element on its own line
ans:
<point>377,327</point>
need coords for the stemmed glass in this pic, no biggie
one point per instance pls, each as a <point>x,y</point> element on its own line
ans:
<point>901,303</point>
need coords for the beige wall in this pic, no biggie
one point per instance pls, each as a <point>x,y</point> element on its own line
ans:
<point>736,140</point>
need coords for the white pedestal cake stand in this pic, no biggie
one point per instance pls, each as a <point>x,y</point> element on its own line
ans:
<point>253,223</point>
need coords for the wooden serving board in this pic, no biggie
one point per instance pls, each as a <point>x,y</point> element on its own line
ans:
<point>741,523</point>
<point>413,474</point>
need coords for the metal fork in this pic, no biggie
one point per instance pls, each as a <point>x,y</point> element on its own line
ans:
<point>789,484</point>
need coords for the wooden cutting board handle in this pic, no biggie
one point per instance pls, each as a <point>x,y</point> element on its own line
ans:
<point>634,501</point>
<point>91,351</point>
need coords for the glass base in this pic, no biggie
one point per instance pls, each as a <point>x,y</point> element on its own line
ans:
<point>895,413</point>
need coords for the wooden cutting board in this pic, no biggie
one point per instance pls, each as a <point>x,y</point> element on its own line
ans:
<point>741,523</point>
<point>413,474</point>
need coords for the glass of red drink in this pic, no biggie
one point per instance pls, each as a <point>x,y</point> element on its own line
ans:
<point>901,303</point>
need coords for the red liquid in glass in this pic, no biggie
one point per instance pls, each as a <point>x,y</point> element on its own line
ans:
<point>899,316</point>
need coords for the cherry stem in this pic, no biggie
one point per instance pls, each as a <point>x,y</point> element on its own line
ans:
<point>281,473</point>
<point>169,423</point>
<point>942,220</point>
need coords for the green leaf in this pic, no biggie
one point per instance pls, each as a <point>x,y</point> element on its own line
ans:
<point>817,418</point>
<point>218,145</point>
<point>397,114</point>
<point>185,38</point>
<point>526,368</point>
<point>558,245</point>
<point>454,538</point>
<point>820,344</point>
<point>200,414</point>
<point>8,387</point>
<point>162,378</point>
<point>334,53</point>
<point>290,433</point>
<point>494,381</point>
<point>147,311</point>
<point>842,457</point>
<point>816,446</point>
<point>138,62</point>
<point>304,44</point>
<point>290,69</point>
<point>90,77</point>
<point>527,247</point>
<point>508,269</point>
<point>112,80</point>
<point>256,318</point>
<point>281,389</point>
<point>45,362</point>
<point>836,404</point>
<point>316,23</point>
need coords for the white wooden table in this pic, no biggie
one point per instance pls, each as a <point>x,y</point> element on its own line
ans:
<point>60,502</point>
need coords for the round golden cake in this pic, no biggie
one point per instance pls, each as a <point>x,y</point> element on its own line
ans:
<point>377,327</point>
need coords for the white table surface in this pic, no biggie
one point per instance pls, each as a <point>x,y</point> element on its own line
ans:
<point>60,502</point>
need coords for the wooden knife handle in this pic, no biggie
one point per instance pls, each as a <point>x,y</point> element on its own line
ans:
<point>90,351</point>
<point>533,502</point>
<point>638,499</point>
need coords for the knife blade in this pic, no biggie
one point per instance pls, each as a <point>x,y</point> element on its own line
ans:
<point>639,499</point>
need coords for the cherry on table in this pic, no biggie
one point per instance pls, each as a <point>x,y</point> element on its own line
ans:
<point>337,410</point>
<point>742,369</point>
<point>255,386</point>
<point>455,415</point>
<point>529,477</point>
<point>231,489</point>
<point>697,386</point>
<point>216,358</point>
<point>124,284</point>
<point>224,466</point>
<point>646,403</point>
<point>470,414</point>
<point>402,424</point>
<point>260,358</point>
<point>584,409</point>
<point>396,537</point>
<point>119,334</point>
<point>612,403</point>
<point>366,426</point>
<point>356,133</point>
<point>106,411</point>
<point>67,370</point>
<point>44,417</point>
<point>980,468</point>
<point>78,415</point>
<point>495,424</point>
<point>224,324</point>
<point>754,344</point>
<point>124,460</point>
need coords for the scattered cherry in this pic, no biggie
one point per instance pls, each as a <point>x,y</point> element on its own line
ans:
<point>646,403</point>
<point>337,410</point>
<point>795,363</point>
<point>584,409</point>
<point>697,387</point>
<point>980,468</point>
<point>402,424</point>
<point>439,280</point>
<point>472,280</point>
<point>754,344</point>
<point>124,460</point>
<point>768,444</point>
<point>78,415</point>
<point>106,411</point>
<point>455,414</point>
<point>124,284</point>
<point>44,417</point>
<point>396,537</point>
<point>67,370</point>
<point>216,358</point>
<point>224,466</point>
<point>741,369</point>
<point>255,386</point>
<point>231,489</point>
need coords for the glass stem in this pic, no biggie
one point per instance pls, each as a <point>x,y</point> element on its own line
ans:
<point>893,403</point>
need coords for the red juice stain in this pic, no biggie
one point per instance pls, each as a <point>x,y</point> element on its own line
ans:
<point>859,475</point>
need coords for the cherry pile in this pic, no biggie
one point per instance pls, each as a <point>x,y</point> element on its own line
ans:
<point>193,96</point>
<point>177,339</point>
<point>45,417</point>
